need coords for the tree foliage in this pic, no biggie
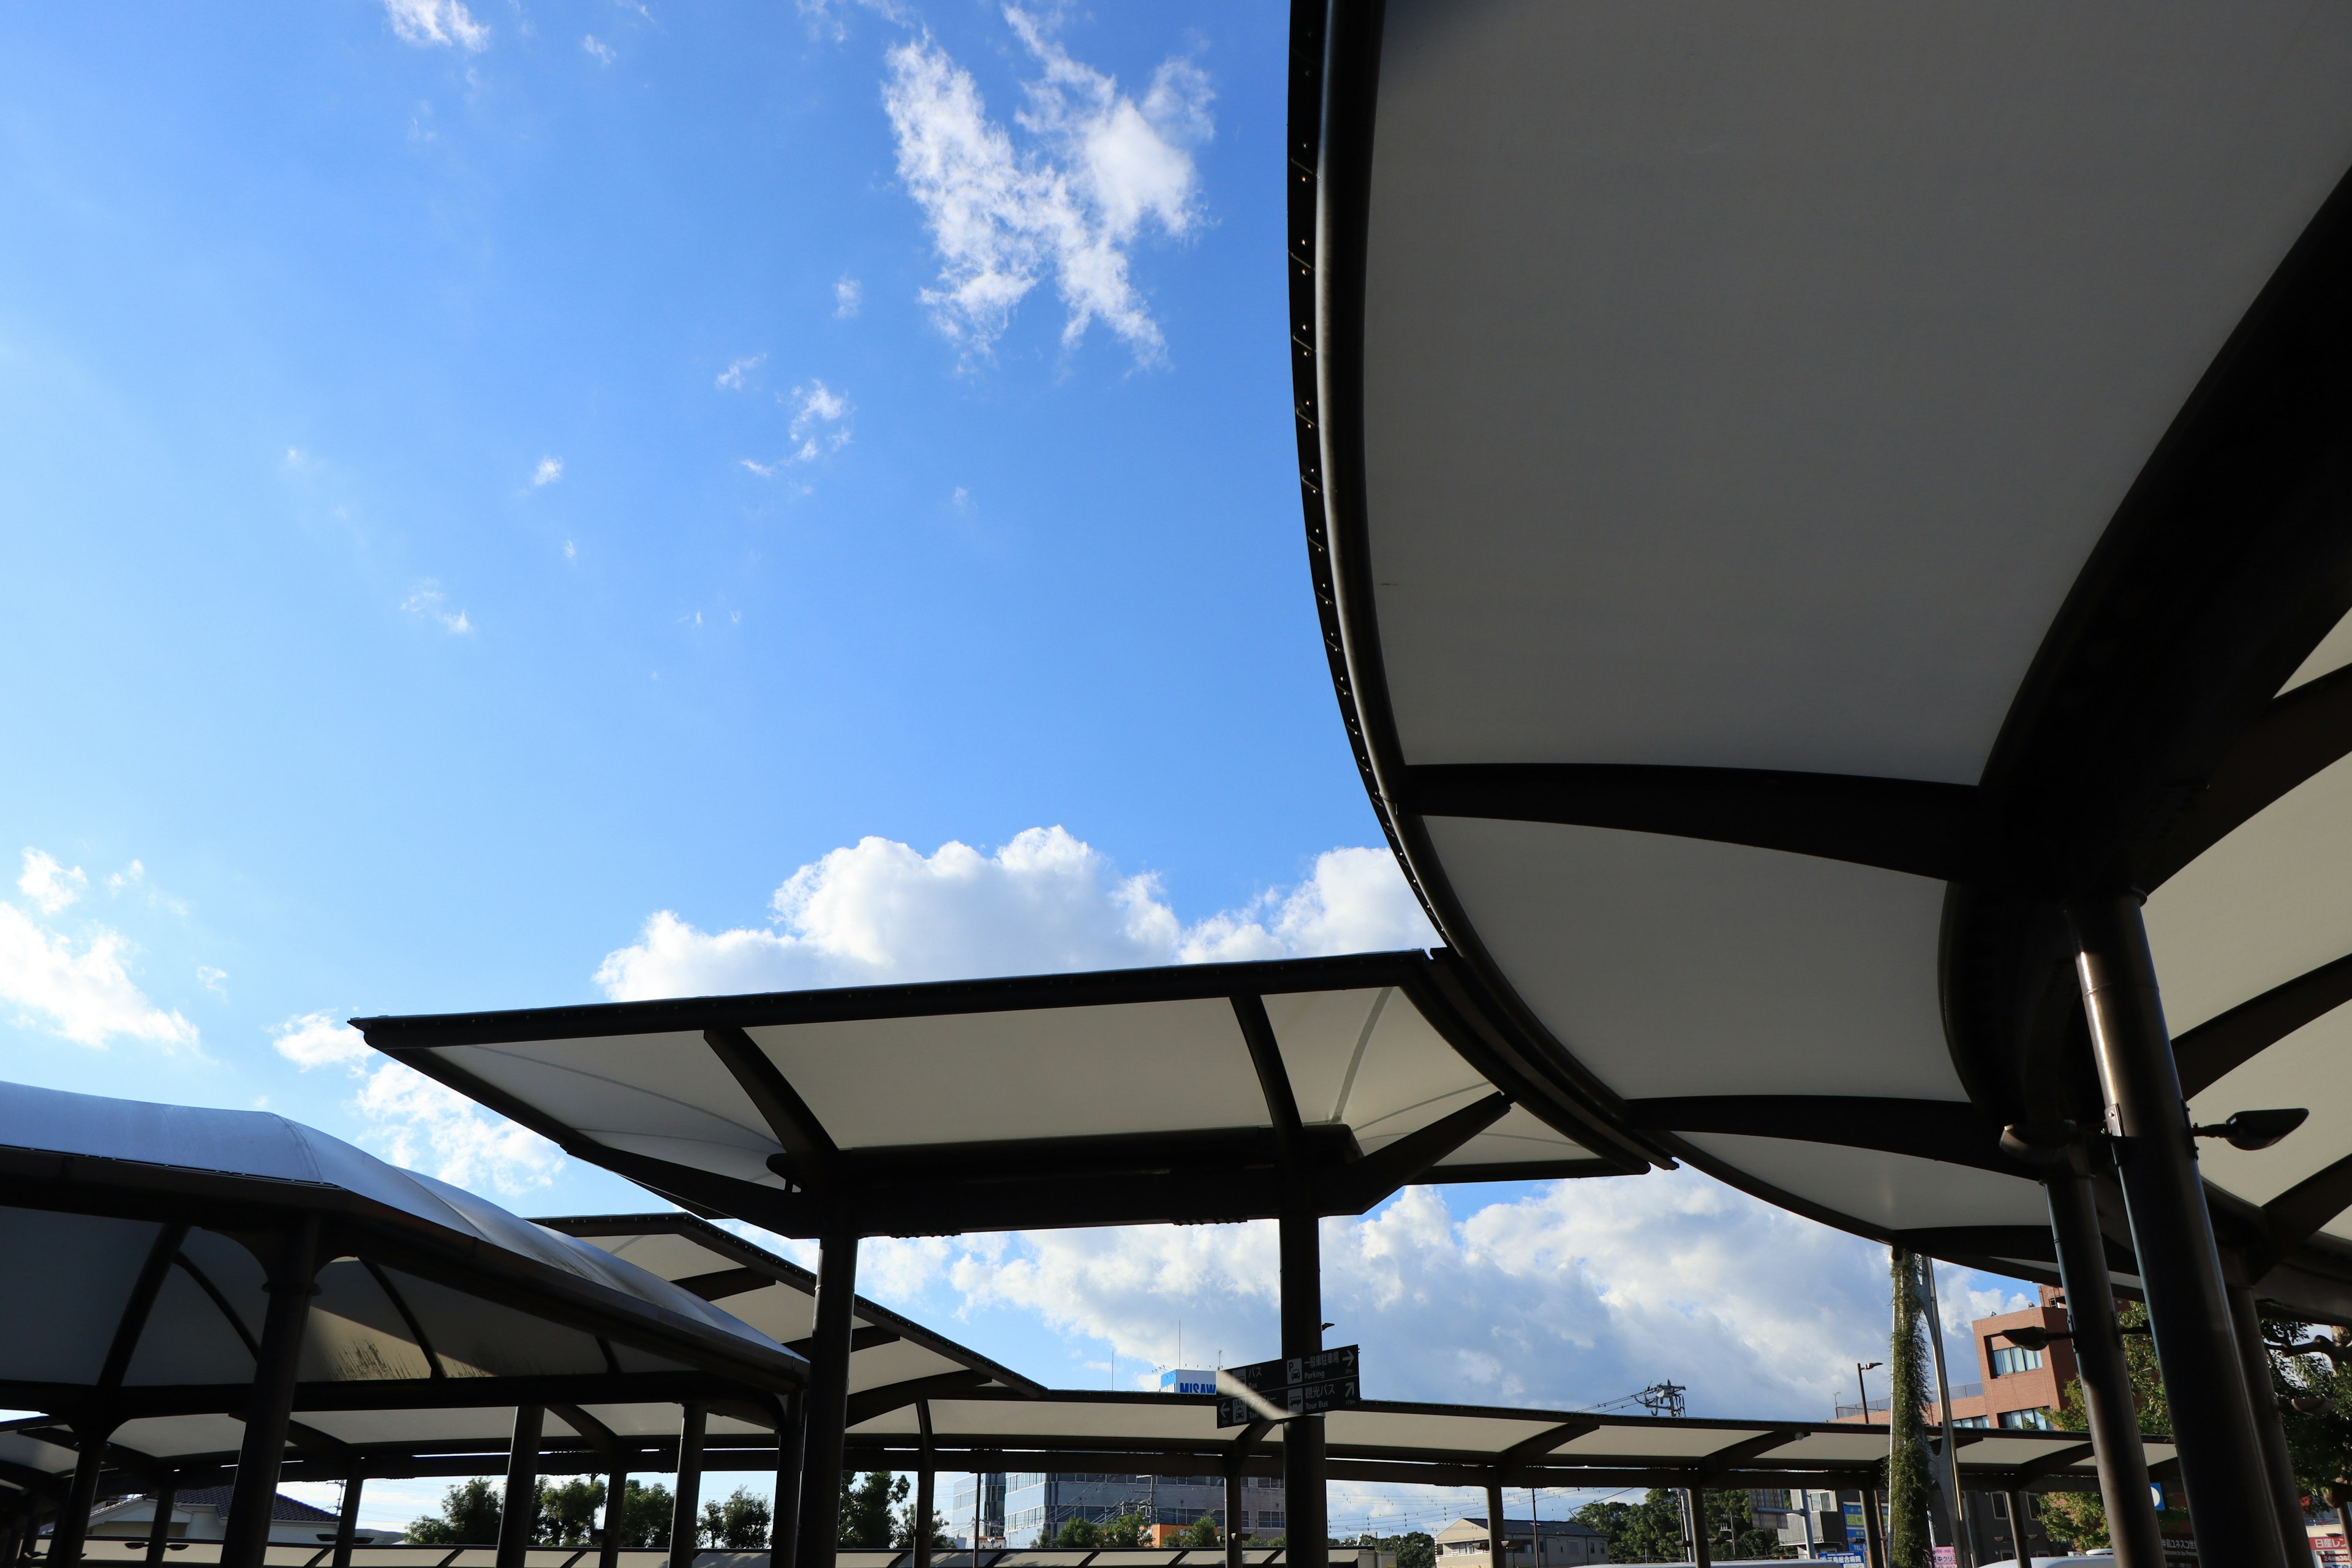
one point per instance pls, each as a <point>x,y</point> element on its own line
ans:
<point>902,1528</point>
<point>740,1523</point>
<point>1650,1530</point>
<point>568,1514</point>
<point>2318,1395</point>
<point>1414,1549</point>
<point>1200,1533</point>
<point>1907,1544</point>
<point>866,1501</point>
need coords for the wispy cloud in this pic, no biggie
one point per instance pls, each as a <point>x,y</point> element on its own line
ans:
<point>1101,167</point>
<point>81,991</point>
<point>603,51</point>
<point>417,1123</point>
<point>49,885</point>
<point>550,470</point>
<point>443,22</point>
<point>734,376</point>
<point>848,295</point>
<point>820,421</point>
<point>213,980</point>
<point>431,604</point>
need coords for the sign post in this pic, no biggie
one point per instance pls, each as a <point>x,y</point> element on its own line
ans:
<point>1295,1385</point>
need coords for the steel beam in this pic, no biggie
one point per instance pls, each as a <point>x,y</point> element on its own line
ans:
<point>2172,1236</point>
<point>73,1519</point>
<point>792,1429</point>
<point>2107,1401</point>
<point>617,1499</point>
<point>1306,1520</point>
<point>2278,1466</point>
<point>347,1520</point>
<point>159,1530</point>
<point>520,1513</point>
<point>828,1399</point>
<point>686,1511</point>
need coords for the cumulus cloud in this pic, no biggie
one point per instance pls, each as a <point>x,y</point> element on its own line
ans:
<point>50,886</point>
<point>550,470</point>
<point>880,911</point>
<point>431,604</point>
<point>1586,1291</point>
<point>416,1124</point>
<point>1097,169</point>
<point>443,23</point>
<point>81,991</point>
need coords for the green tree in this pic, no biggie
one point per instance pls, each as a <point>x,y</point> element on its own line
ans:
<point>1650,1530</point>
<point>1908,1546</point>
<point>469,1516</point>
<point>741,1523</point>
<point>569,1513</point>
<point>1126,1530</point>
<point>865,1504</point>
<point>1202,1531</point>
<point>2318,1395</point>
<point>902,1529</point>
<point>1078,1531</point>
<point>645,1512</point>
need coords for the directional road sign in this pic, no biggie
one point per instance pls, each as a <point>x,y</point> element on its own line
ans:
<point>1295,1385</point>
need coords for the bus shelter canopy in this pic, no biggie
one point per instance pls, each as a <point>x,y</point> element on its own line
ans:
<point>1192,1093</point>
<point>1796,496</point>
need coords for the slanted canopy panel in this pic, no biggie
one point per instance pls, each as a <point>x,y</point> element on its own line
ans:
<point>1127,1096</point>
<point>1796,493</point>
<point>893,1360</point>
<point>1442,1444</point>
<point>141,1231</point>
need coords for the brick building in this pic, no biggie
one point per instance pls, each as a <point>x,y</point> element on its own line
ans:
<point>2013,1386</point>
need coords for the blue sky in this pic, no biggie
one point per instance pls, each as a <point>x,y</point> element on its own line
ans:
<point>532,502</point>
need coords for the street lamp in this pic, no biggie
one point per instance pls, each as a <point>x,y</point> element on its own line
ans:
<point>1860,1387</point>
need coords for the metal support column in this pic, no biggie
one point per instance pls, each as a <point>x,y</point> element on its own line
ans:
<point>792,1427</point>
<point>2020,1552</point>
<point>2172,1236</point>
<point>518,1513</point>
<point>254,1496</point>
<point>73,1518</point>
<point>925,1480</point>
<point>1702,1549</point>
<point>1498,1544</point>
<point>159,1531</point>
<point>1232,1512</point>
<point>828,1400</point>
<point>2286,1498</point>
<point>616,1502</point>
<point>1306,1524</point>
<point>685,1513</point>
<point>1874,1534</point>
<point>347,1520</point>
<point>2107,1402</point>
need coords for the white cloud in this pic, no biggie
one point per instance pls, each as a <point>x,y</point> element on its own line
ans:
<point>732,377</point>
<point>820,421</point>
<point>1099,168</point>
<point>446,22</point>
<point>848,294</point>
<point>571,550</point>
<point>429,602</point>
<point>962,499</point>
<point>603,51</point>
<point>765,470</point>
<point>50,886</point>
<point>129,876</point>
<point>880,911</point>
<point>417,1123</point>
<point>213,980</point>
<point>550,470</point>
<point>1586,1291</point>
<point>84,994</point>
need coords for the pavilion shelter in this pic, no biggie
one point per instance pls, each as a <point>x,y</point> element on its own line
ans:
<point>896,1364</point>
<point>1289,1091</point>
<point>1819,511</point>
<point>1491,1448</point>
<point>262,1280</point>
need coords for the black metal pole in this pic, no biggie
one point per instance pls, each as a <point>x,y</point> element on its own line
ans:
<point>159,1531</point>
<point>2019,1551</point>
<point>925,1479</point>
<point>252,1500</point>
<point>347,1520</point>
<point>1233,1558</point>
<point>791,1429</point>
<point>2286,1498</point>
<point>73,1519</point>
<point>1702,1549</point>
<point>1498,1548</point>
<point>2172,1236</point>
<point>685,1513</point>
<point>1306,1524</point>
<point>1873,1533</point>
<point>2107,1402</point>
<point>828,1400</point>
<point>616,1502</point>
<point>520,1513</point>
